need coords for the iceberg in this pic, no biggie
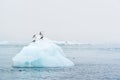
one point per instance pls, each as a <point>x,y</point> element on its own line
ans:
<point>42,53</point>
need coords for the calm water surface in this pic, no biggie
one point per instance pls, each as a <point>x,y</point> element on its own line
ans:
<point>91,63</point>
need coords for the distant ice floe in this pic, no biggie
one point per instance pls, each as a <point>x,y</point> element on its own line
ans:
<point>61,43</point>
<point>70,44</point>
<point>66,43</point>
<point>12,43</point>
<point>4,42</point>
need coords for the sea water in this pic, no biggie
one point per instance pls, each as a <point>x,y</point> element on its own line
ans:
<point>92,62</point>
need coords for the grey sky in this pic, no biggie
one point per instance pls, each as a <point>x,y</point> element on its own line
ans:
<point>73,20</point>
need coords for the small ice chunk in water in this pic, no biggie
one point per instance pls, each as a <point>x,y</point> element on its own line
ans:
<point>42,53</point>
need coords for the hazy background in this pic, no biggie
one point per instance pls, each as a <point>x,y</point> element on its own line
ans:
<point>88,21</point>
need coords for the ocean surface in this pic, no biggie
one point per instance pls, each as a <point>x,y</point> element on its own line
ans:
<point>92,62</point>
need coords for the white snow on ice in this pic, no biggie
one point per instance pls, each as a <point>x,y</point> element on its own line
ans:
<point>42,53</point>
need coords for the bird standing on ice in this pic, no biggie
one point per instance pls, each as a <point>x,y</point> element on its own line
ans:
<point>41,35</point>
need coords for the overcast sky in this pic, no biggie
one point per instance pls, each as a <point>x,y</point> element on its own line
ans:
<point>74,20</point>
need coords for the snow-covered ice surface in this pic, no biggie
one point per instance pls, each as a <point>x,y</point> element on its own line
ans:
<point>42,53</point>
<point>92,62</point>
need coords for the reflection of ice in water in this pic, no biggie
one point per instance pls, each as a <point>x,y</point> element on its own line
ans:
<point>42,53</point>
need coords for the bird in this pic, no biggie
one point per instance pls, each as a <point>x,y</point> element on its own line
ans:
<point>34,36</point>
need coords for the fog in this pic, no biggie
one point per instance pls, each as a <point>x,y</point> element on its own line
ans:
<point>86,21</point>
